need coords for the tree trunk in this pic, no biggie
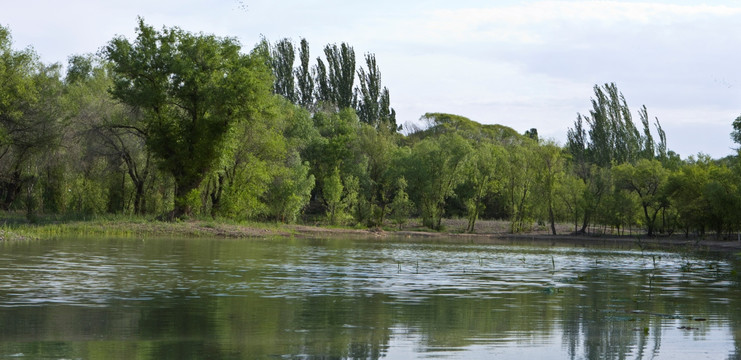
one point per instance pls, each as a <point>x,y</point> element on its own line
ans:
<point>138,197</point>
<point>552,218</point>
<point>216,195</point>
<point>10,189</point>
<point>585,223</point>
<point>183,208</point>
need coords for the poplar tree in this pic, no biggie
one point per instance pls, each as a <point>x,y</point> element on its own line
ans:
<point>341,74</point>
<point>335,80</point>
<point>322,88</point>
<point>305,82</point>
<point>372,102</point>
<point>282,59</point>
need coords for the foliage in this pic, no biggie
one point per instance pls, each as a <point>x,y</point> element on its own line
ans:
<point>372,102</point>
<point>484,176</point>
<point>550,168</point>
<point>190,124</point>
<point>283,56</point>
<point>290,191</point>
<point>401,206</point>
<point>647,179</point>
<point>332,192</point>
<point>434,169</point>
<point>520,173</point>
<point>610,138</point>
<point>30,119</point>
<point>304,80</point>
<point>193,88</point>
<point>571,196</point>
<point>736,133</point>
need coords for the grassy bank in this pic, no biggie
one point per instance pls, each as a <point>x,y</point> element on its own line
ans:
<point>17,227</point>
<point>124,226</point>
<point>14,226</point>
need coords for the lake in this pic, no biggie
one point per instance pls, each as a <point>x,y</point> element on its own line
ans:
<point>362,299</point>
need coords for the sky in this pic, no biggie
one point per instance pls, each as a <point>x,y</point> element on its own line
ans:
<point>523,64</point>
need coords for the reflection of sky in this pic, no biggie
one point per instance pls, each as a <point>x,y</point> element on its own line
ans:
<point>673,344</point>
<point>522,64</point>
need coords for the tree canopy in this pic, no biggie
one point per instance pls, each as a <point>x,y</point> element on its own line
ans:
<point>193,88</point>
<point>175,124</point>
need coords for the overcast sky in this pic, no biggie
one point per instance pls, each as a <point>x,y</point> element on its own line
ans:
<point>524,64</point>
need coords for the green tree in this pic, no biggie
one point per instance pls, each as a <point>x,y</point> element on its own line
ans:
<point>30,120</point>
<point>282,59</point>
<point>648,180</point>
<point>332,192</point>
<point>109,128</point>
<point>304,80</point>
<point>192,88</point>
<point>686,191</point>
<point>401,206</point>
<point>334,147</point>
<point>322,87</point>
<point>341,61</point>
<point>372,100</point>
<point>485,177</point>
<point>290,190</point>
<point>335,80</point>
<point>723,200</point>
<point>435,167</point>
<point>609,138</point>
<point>736,133</point>
<point>571,195</point>
<point>378,149</point>
<point>520,174</point>
<point>619,206</point>
<point>550,167</point>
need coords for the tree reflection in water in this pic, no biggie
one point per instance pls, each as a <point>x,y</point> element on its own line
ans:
<point>342,299</point>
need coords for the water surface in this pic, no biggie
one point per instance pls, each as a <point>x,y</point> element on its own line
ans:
<point>361,299</point>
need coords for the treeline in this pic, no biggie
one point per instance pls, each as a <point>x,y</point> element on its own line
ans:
<point>177,124</point>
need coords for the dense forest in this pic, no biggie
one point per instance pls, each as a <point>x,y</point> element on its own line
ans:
<point>177,124</point>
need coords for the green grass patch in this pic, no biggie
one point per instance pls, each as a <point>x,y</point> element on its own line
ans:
<point>16,226</point>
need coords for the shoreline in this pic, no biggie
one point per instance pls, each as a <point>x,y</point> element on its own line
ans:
<point>495,235</point>
<point>643,243</point>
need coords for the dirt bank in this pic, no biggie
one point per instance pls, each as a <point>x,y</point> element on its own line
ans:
<point>673,242</point>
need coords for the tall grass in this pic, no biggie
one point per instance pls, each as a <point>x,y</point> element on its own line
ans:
<point>49,226</point>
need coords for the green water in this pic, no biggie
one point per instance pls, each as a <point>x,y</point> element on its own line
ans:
<point>361,299</point>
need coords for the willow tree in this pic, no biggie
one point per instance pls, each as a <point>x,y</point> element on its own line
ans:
<point>647,179</point>
<point>435,168</point>
<point>30,114</point>
<point>485,177</point>
<point>192,89</point>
